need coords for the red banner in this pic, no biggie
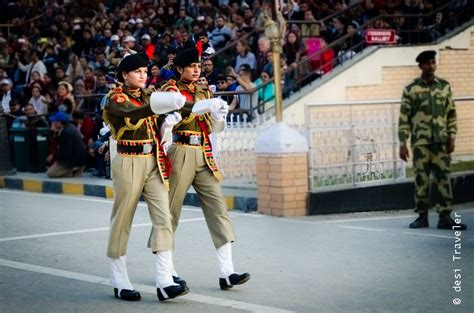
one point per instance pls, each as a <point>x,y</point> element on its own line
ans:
<point>383,36</point>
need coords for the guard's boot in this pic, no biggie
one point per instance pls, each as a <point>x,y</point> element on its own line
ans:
<point>446,222</point>
<point>127,295</point>
<point>123,289</point>
<point>234,279</point>
<point>167,286</point>
<point>421,221</point>
<point>178,280</point>
<point>171,292</point>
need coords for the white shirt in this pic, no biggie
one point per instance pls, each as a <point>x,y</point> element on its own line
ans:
<point>6,101</point>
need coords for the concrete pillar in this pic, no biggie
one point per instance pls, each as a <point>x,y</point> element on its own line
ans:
<point>282,171</point>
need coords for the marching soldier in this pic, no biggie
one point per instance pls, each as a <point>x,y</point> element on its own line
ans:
<point>428,116</point>
<point>140,168</point>
<point>194,164</point>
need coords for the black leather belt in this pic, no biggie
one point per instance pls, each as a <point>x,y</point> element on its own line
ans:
<point>141,149</point>
<point>192,140</point>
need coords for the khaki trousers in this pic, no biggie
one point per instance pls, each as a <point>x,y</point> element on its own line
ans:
<point>190,168</point>
<point>132,177</point>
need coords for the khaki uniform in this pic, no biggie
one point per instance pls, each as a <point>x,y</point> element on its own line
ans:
<point>193,164</point>
<point>139,168</point>
<point>428,116</point>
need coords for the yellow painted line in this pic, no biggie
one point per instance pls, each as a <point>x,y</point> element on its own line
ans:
<point>73,189</point>
<point>109,192</point>
<point>230,202</point>
<point>2,182</point>
<point>33,185</point>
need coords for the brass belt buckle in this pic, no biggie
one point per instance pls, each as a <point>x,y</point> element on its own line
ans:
<point>195,140</point>
<point>147,147</point>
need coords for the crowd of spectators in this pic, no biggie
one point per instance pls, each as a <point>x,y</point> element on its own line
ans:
<point>59,56</point>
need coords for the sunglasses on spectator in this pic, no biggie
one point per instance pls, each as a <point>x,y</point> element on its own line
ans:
<point>221,81</point>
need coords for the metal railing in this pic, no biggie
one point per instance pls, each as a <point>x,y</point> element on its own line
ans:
<point>356,143</point>
<point>314,66</point>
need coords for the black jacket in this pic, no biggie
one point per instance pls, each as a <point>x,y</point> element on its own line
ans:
<point>72,151</point>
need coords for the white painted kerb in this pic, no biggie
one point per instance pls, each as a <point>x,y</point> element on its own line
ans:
<point>280,138</point>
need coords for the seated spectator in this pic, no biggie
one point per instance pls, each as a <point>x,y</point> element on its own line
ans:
<point>101,153</point>
<point>71,156</point>
<point>35,65</point>
<point>202,81</point>
<point>263,48</point>
<point>63,100</point>
<point>223,85</point>
<point>244,56</point>
<point>89,80</point>
<point>221,34</point>
<point>209,72</point>
<point>266,93</point>
<point>38,101</point>
<point>15,112</point>
<point>148,46</point>
<point>33,120</point>
<point>74,69</point>
<point>6,94</point>
<point>154,78</point>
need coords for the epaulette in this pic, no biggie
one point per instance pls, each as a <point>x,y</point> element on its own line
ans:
<point>117,95</point>
<point>170,85</point>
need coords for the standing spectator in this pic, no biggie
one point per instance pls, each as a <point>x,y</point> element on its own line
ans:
<point>36,65</point>
<point>428,116</point>
<point>15,117</point>
<point>266,93</point>
<point>246,103</point>
<point>244,56</point>
<point>221,34</point>
<point>71,156</point>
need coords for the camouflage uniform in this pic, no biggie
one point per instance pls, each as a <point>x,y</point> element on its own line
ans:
<point>428,115</point>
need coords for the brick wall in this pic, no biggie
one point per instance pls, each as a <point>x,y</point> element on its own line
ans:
<point>456,66</point>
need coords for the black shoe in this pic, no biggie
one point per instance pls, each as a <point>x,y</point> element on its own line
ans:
<point>178,280</point>
<point>233,279</point>
<point>446,222</point>
<point>171,292</point>
<point>420,222</point>
<point>127,295</point>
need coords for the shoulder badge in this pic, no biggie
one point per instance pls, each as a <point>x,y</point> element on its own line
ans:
<point>117,89</point>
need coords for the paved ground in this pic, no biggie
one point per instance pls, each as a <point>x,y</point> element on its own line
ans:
<point>52,259</point>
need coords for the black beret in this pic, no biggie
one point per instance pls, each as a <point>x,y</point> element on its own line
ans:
<point>187,57</point>
<point>132,62</point>
<point>425,56</point>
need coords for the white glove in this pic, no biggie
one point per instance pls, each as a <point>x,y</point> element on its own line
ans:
<point>166,130</point>
<point>171,120</point>
<point>221,112</point>
<point>206,106</point>
<point>164,102</point>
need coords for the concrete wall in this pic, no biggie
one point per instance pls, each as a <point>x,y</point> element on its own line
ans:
<point>384,73</point>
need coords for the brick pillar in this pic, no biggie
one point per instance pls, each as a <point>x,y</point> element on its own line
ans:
<point>282,172</point>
